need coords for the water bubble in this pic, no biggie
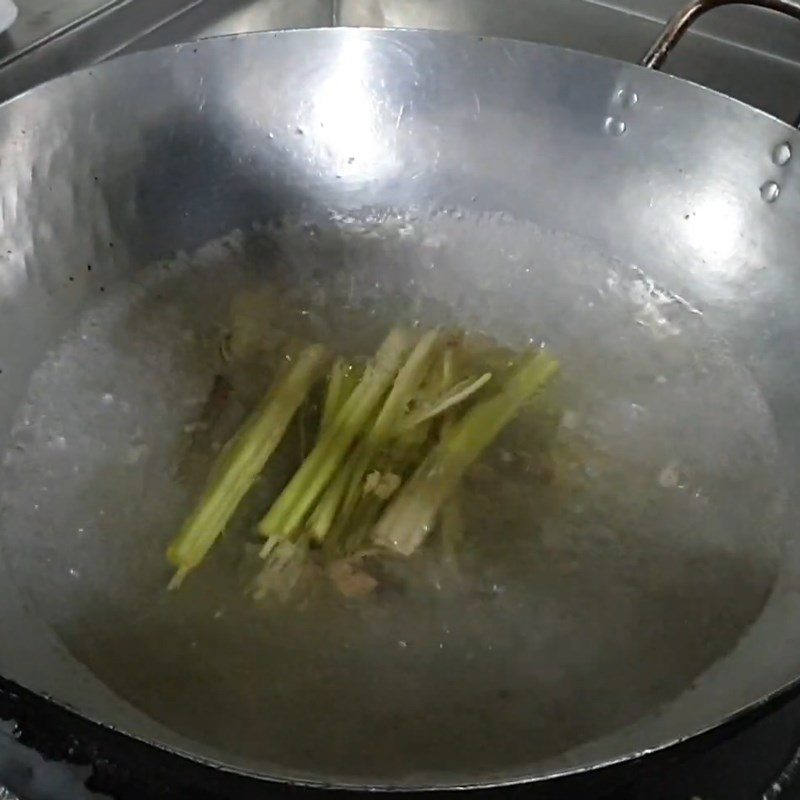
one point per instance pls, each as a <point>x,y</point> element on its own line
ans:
<point>571,420</point>
<point>107,399</point>
<point>615,127</point>
<point>770,192</point>
<point>627,98</point>
<point>136,453</point>
<point>782,154</point>
<point>670,476</point>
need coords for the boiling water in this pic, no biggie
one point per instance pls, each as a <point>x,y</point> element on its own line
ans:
<point>573,610</point>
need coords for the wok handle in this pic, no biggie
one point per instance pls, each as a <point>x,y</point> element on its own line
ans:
<point>686,17</point>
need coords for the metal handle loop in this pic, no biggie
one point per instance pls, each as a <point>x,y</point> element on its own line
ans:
<point>686,17</point>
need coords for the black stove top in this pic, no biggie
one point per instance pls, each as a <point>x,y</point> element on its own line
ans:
<point>760,761</point>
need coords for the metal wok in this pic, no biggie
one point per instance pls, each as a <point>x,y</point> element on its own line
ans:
<point>645,227</point>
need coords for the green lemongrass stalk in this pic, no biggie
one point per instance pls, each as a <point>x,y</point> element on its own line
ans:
<point>324,514</point>
<point>448,376</point>
<point>361,522</point>
<point>343,496</point>
<point>407,382</point>
<point>347,494</point>
<point>282,571</point>
<point>350,527</point>
<point>409,440</point>
<point>343,379</point>
<point>241,460</point>
<point>451,522</point>
<point>462,391</point>
<point>412,513</point>
<point>289,511</point>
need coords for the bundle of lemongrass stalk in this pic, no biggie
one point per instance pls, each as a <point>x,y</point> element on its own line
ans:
<point>395,439</point>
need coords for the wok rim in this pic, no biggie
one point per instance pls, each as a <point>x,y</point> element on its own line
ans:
<point>701,741</point>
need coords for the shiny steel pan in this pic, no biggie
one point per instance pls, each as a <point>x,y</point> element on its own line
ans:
<point>644,226</point>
